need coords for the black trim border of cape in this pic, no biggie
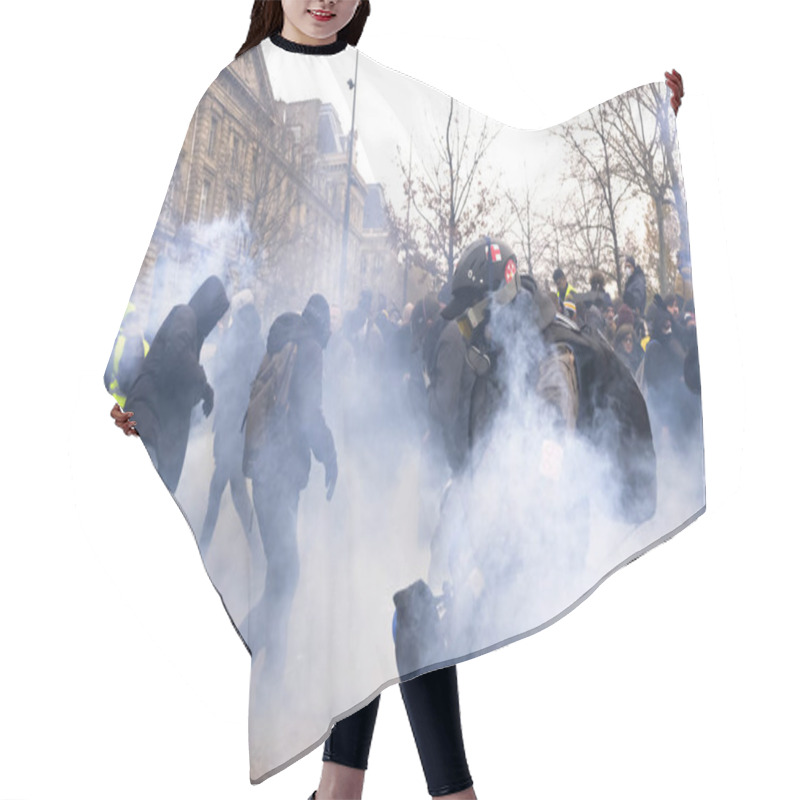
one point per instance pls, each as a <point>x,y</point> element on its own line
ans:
<point>309,49</point>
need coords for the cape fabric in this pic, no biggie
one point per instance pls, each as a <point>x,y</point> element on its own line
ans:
<point>476,494</point>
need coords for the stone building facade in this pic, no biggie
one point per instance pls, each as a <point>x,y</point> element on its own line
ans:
<point>257,196</point>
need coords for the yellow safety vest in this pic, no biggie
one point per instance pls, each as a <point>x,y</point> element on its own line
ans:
<point>119,349</point>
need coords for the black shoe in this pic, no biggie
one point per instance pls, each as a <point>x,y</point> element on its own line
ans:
<point>313,795</point>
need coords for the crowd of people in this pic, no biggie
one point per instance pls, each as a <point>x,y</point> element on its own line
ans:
<point>413,366</point>
<point>656,340</point>
<point>372,379</point>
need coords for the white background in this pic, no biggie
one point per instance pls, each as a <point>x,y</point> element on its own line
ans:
<point>120,675</point>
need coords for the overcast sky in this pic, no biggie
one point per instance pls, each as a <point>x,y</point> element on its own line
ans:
<point>393,109</point>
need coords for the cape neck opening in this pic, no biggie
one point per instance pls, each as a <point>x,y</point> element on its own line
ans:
<point>308,49</point>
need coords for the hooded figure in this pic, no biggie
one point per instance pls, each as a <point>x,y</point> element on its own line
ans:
<point>172,382</point>
<point>283,426</point>
<point>635,291</point>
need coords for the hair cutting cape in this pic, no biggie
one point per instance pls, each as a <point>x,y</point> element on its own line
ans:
<point>376,493</point>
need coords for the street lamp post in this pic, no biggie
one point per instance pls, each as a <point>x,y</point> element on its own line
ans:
<point>352,84</point>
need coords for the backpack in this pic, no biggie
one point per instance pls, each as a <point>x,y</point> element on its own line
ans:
<point>267,413</point>
<point>612,413</point>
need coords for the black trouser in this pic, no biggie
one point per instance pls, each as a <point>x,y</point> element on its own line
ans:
<point>267,625</point>
<point>431,702</point>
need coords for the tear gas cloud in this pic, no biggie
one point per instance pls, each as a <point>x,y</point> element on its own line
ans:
<point>526,531</point>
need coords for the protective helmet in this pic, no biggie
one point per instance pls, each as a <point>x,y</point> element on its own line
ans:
<point>487,271</point>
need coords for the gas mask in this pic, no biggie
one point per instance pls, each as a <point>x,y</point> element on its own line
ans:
<point>472,324</point>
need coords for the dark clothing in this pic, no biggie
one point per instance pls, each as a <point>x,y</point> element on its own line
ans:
<point>267,625</point>
<point>612,414</point>
<point>431,702</point>
<point>432,705</point>
<point>305,431</point>
<point>351,738</point>
<point>673,406</point>
<point>691,369</point>
<point>633,359</point>
<point>686,336</point>
<point>635,293</point>
<point>280,468</point>
<point>451,382</point>
<point>596,297</point>
<point>172,382</point>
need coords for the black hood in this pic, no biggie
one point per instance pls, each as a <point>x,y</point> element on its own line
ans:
<point>659,318</point>
<point>209,303</point>
<point>288,327</point>
<point>317,315</point>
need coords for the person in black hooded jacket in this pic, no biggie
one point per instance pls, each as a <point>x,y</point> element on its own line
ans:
<point>634,294</point>
<point>279,465</point>
<point>172,382</point>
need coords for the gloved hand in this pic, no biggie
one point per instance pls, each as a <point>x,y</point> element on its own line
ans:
<point>208,399</point>
<point>331,474</point>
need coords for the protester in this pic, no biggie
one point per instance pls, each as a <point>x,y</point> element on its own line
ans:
<point>284,425</point>
<point>634,295</point>
<point>564,288</point>
<point>172,382</point>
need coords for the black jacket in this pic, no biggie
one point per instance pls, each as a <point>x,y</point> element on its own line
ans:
<point>172,382</point>
<point>635,293</point>
<point>451,384</point>
<point>306,430</point>
<point>612,414</point>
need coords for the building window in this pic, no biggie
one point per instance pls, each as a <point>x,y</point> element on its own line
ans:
<point>235,148</point>
<point>212,135</point>
<point>205,191</point>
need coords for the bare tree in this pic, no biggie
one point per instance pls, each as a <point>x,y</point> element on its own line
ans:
<point>593,161</point>
<point>587,229</point>
<point>450,197</point>
<point>526,231</point>
<point>556,241</point>
<point>405,231</point>
<point>643,158</point>
<point>276,188</point>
